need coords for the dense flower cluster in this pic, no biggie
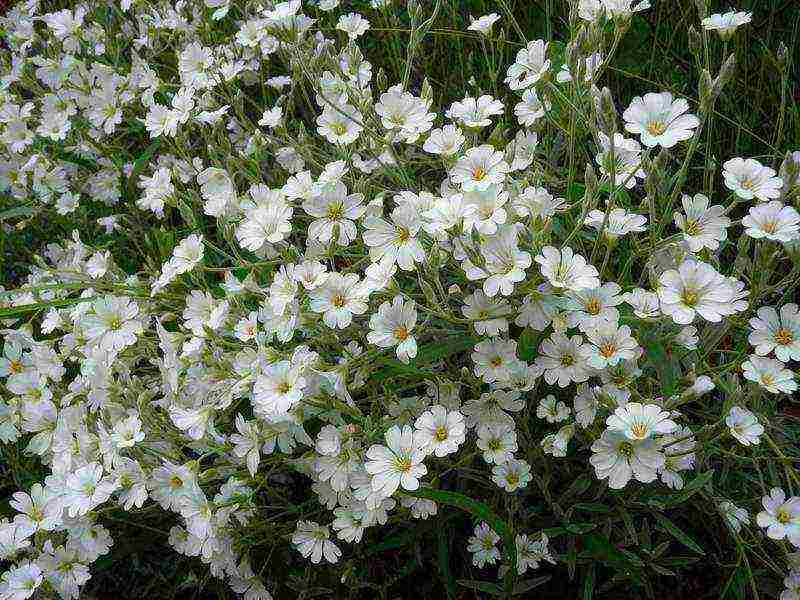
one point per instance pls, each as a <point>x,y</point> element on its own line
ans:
<point>327,229</point>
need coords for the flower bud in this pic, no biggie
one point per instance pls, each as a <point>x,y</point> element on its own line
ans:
<point>695,42</point>
<point>702,8</point>
<point>782,55</point>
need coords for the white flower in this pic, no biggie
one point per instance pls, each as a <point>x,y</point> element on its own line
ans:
<point>340,124</point>
<point>21,582</point>
<point>405,114</point>
<point>744,426</point>
<point>645,304</point>
<point>512,475</point>
<point>695,289</point>
<point>505,263</point>
<point>563,360</point>
<point>622,163</point>
<point>156,189</point>
<point>271,118</point>
<point>313,541</point>
<point>619,459</point>
<point>609,344</point>
<point>703,226</point>
<point>37,511</point>
<point>446,141</point>
<point>474,113</point>
<point>565,269</point>
<point>493,359</point>
<point>488,315</point>
<point>772,221</point>
<point>278,388</point>
<point>353,24</point>
<point>659,120</point>
<point>641,421</point>
<point>479,168</point>
<point>735,516</point>
<point>727,23</point>
<point>440,432</point>
<point>780,517</point>
<point>396,241</point>
<point>483,24</point>
<point>497,441</point>
<point>749,179</point>
<point>777,332</point>
<point>113,323</point>
<point>392,325</point>
<point>618,223</point>
<point>485,208</point>
<point>538,308</point>
<point>530,552</point>
<point>339,298</point>
<point>335,212</point>
<point>530,65</point>
<point>493,408</point>
<point>399,463</point>
<point>217,190</point>
<point>268,222</point>
<point>554,411</point>
<point>537,202</point>
<point>86,488</point>
<point>483,546</point>
<point>531,108</point>
<point>595,306</point>
<point>770,374</point>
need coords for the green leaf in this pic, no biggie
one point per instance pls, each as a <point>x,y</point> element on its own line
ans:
<point>528,585</point>
<point>444,563</point>
<point>588,584</point>
<point>16,212</point>
<point>481,586</point>
<point>429,353</point>
<point>678,534</point>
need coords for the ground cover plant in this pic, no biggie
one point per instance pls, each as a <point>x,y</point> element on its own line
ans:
<point>395,300</point>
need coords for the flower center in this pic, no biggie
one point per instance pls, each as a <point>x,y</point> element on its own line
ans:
<point>335,211</point>
<point>15,366</point>
<point>639,430</point>
<point>284,387</point>
<point>593,306</point>
<point>767,379</point>
<point>403,464</point>
<point>690,298</point>
<point>175,482</point>
<point>656,128</point>
<point>512,479</point>
<point>403,235</point>
<point>401,333</point>
<point>784,337</point>
<point>338,301</point>
<point>783,516</point>
<point>338,128</point>
<point>479,174</point>
<point>770,226</point>
<point>608,350</point>
<point>625,449</point>
<point>692,228</point>
<point>441,433</point>
<point>748,183</point>
<point>115,323</point>
<point>567,360</point>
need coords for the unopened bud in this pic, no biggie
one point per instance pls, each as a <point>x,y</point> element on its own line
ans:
<point>706,90</point>
<point>607,113</point>
<point>790,170</point>
<point>590,180</point>
<point>381,80</point>
<point>426,93</point>
<point>695,42</point>
<point>725,74</point>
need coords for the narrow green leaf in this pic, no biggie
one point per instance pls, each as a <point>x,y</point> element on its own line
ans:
<point>481,586</point>
<point>678,534</point>
<point>529,584</point>
<point>444,563</point>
